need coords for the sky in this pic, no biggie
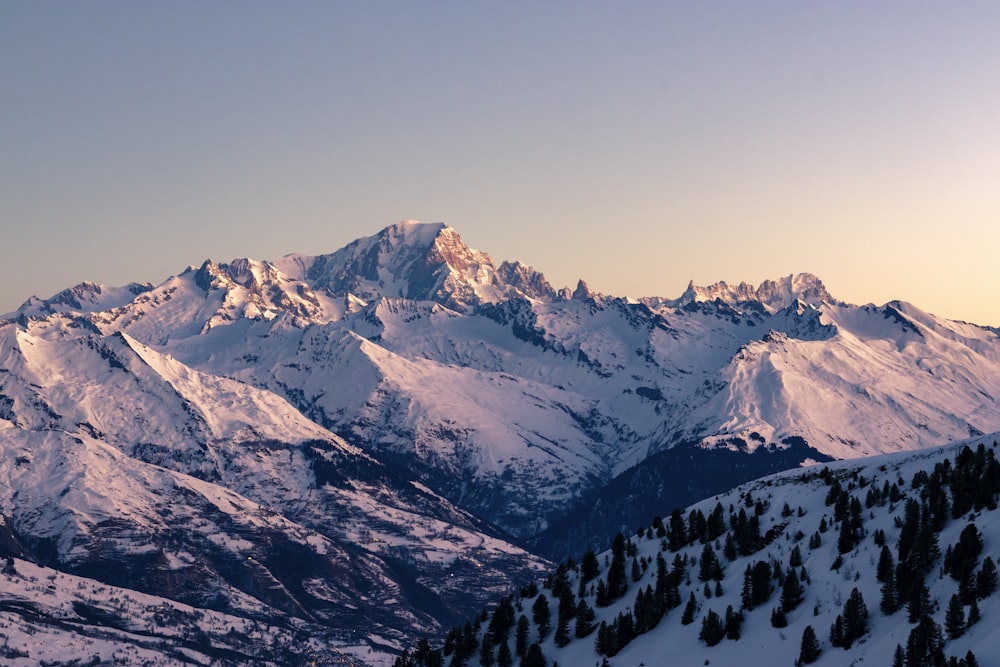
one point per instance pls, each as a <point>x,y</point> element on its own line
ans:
<point>636,145</point>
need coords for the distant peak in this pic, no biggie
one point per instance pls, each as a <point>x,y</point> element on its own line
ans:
<point>421,261</point>
<point>774,294</point>
<point>582,291</point>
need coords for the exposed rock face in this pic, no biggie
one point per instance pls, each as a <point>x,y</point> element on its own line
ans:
<point>774,294</point>
<point>420,262</point>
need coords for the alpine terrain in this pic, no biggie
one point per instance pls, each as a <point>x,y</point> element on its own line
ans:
<point>322,458</point>
<point>887,561</point>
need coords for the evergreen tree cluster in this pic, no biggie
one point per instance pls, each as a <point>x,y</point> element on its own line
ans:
<point>561,609</point>
<point>852,624</point>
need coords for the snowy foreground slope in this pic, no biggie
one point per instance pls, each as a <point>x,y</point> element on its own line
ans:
<point>922,507</point>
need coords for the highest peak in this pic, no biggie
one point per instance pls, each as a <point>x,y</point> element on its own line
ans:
<point>413,233</point>
<point>774,294</point>
<point>419,261</point>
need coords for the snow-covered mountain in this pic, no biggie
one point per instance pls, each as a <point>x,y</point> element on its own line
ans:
<point>887,561</point>
<point>121,464</point>
<point>401,410</point>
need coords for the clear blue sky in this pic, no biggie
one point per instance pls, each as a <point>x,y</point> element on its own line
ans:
<point>635,144</point>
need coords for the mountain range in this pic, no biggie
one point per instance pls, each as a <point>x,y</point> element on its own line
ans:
<point>376,442</point>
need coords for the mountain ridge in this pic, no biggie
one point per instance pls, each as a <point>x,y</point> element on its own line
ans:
<point>458,413</point>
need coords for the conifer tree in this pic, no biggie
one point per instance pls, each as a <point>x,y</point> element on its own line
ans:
<point>791,592</point>
<point>712,629</point>
<point>486,652</point>
<point>919,601</point>
<point>855,618</point>
<point>973,614</point>
<point>521,636</point>
<point>584,619</point>
<point>837,631</point>
<point>886,566</point>
<point>561,637</point>
<point>709,567</point>
<point>541,615</point>
<point>534,657</point>
<point>954,618</point>
<point>810,650</point>
<point>924,645</point>
<point>889,603</point>
<point>589,567</point>
<point>716,524</point>
<point>606,642</point>
<point>677,535</point>
<point>617,582</point>
<point>697,526</point>
<point>899,657</point>
<point>626,628</point>
<point>734,621</point>
<point>795,559</point>
<point>687,617</point>
<point>986,579</point>
<point>504,657</point>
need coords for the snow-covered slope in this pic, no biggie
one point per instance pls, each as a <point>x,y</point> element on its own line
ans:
<point>517,401</point>
<point>916,535</point>
<point>411,402</point>
<point>120,463</point>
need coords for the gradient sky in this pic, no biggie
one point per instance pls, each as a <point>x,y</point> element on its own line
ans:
<point>637,145</point>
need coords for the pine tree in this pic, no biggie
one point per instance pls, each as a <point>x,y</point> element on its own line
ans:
<point>899,657</point>
<point>855,618</point>
<point>886,567</point>
<point>687,617</point>
<point>584,619</point>
<point>919,601</point>
<point>709,567</point>
<point>677,534</point>
<point>810,649</point>
<point>924,644</point>
<point>837,631</point>
<point>973,614</point>
<point>729,550</point>
<point>561,637</point>
<point>626,628</point>
<point>889,603</point>
<point>778,618</point>
<point>504,658</point>
<point>501,621</point>
<point>986,579</point>
<point>542,616</point>
<point>712,629</point>
<point>589,567</point>
<point>716,524</point>
<point>601,598</point>
<point>606,642</point>
<point>617,582</point>
<point>954,618</point>
<point>734,621</point>
<point>486,652</point>
<point>795,559</point>
<point>534,657</point>
<point>521,636</point>
<point>791,592</point>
